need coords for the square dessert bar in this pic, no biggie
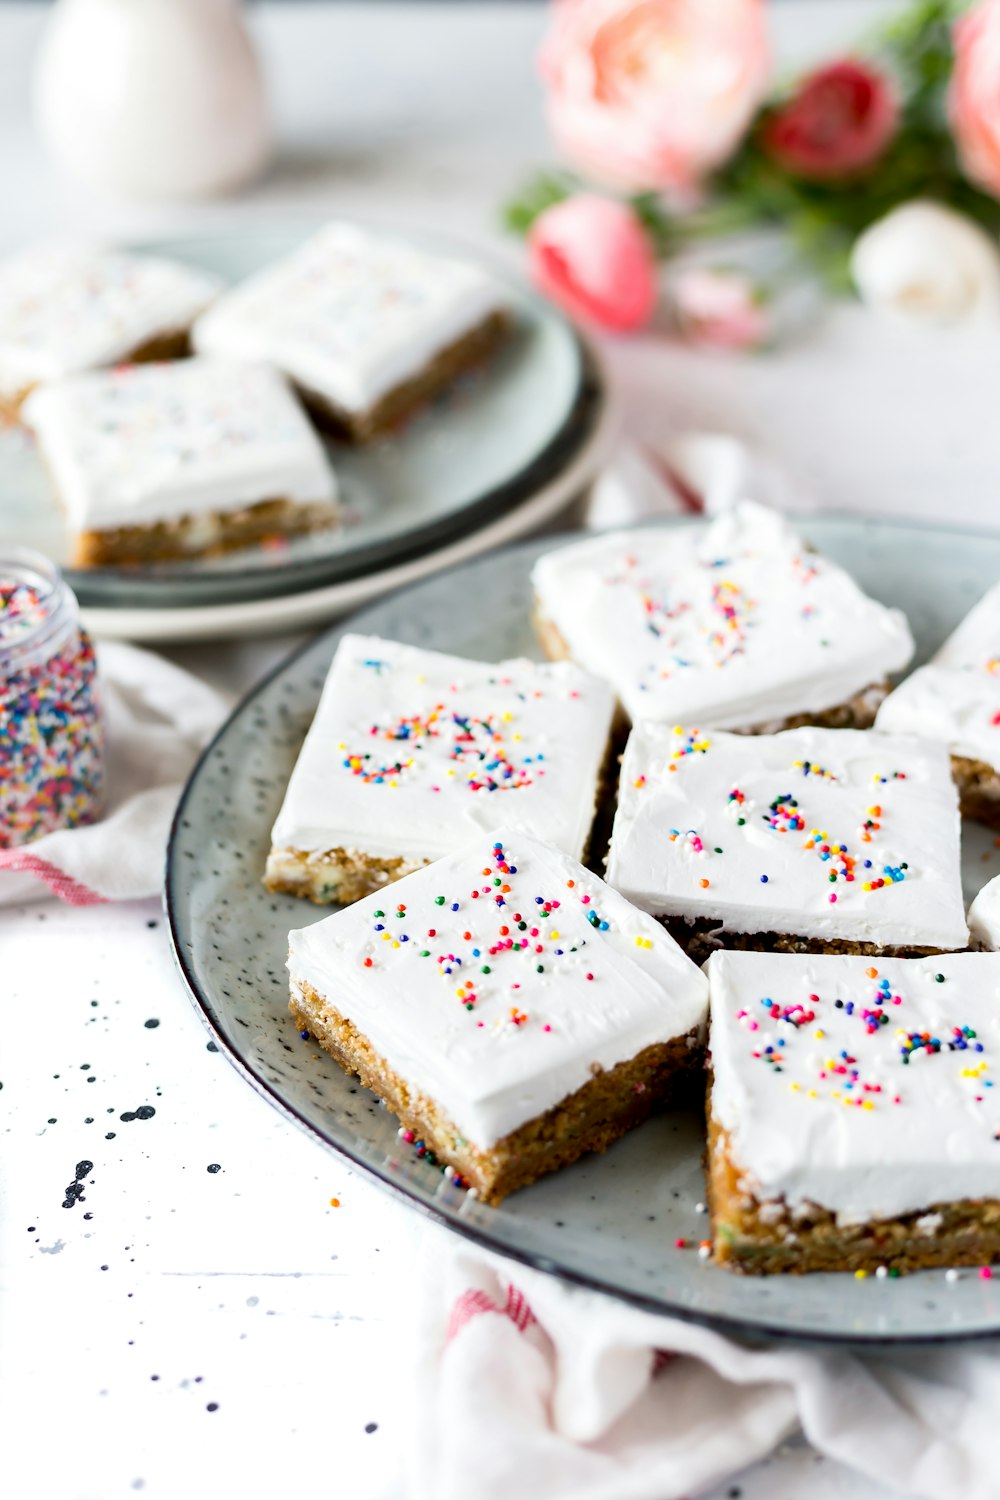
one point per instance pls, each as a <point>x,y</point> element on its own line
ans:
<point>735,624</point>
<point>956,699</point>
<point>854,1115</point>
<point>366,326</point>
<point>411,752</point>
<point>808,840</point>
<point>179,460</point>
<point>508,1007</point>
<point>67,310</point>
<point>984,917</point>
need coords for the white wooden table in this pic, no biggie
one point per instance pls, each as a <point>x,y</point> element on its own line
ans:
<point>202,1320</point>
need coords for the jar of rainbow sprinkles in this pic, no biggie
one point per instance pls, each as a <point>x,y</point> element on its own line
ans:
<point>51,732</point>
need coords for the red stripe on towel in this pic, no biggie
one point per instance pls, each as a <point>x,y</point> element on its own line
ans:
<point>473,1302</point>
<point>62,885</point>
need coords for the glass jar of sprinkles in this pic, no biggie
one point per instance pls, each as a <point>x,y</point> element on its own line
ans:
<point>51,732</point>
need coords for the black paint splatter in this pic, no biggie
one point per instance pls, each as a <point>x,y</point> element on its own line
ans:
<point>151,1024</point>
<point>74,1191</point>
<point>144,1112</point>
<point>214,1166</point>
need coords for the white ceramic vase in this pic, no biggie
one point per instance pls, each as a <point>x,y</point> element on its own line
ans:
<point>153,98</point>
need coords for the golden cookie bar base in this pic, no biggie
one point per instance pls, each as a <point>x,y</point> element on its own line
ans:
<point>765,1239</point>
<point>334,875</point>
<point>700,937</point>
<point>615,1100</point>
<point>183,538</point>
<point>978,789</point>
<point>396,405</point>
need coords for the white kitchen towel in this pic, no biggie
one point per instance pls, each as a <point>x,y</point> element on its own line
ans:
<point>522,1375</point>
<point>158,717</point>
<point>690,473</point>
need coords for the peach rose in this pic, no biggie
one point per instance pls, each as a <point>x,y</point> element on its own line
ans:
<point>838,122</point>
<point>592,257</point>
<point>652,95</point>
<point>974,95</point>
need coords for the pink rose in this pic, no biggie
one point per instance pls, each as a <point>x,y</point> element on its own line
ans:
<point>593,258</point>
<point>838,122</point>
<point>974,96</point>
<point>652,95</point>
<point>717,309</point>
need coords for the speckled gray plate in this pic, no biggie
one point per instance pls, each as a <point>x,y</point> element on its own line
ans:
<point>493,438</point>
<point>610,1221</point>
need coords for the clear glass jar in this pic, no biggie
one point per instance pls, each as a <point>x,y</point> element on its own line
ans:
<point>51,730</point>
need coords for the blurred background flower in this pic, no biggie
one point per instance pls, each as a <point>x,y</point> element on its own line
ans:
<point>880,169</point>
<point>718,309</point>
<point>925,261</point>
<point>654,94</point>
<point>975,94</point>
<point>838,122</point>
<point>592,256</point>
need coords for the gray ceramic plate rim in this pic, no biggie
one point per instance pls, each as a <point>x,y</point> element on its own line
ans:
<point>748,1328</point>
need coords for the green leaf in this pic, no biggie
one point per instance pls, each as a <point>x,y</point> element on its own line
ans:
<point>652,215</point>
<point>542,192</point>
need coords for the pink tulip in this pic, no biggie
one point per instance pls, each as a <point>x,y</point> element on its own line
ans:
<point>974,97</point>
<point>652,95</point>
<point>592,257</point>
<point>837,124</point>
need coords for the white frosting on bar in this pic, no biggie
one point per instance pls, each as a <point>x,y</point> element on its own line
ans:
<point>149,443</point>
<point>411,752</point>
<point>350,314</point>
<point>956,697</point>
<point>820,1106</point>
<point>499,1005</point>
<point>827,833</point>
<point>733,624</point>
<point>66,310</point>
<point>984,916</point>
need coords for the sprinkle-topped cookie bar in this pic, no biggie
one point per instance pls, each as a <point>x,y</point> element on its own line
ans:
<point>854,1121</point>
<point>810,839</point>
<point>180,460</point>
<point>955,699</point>
<point>64,311</point>
<point>984,916</point>
<point>411,752</point>
<point>735,624</point>
<point>513,1011</point>
<point>365,325</point>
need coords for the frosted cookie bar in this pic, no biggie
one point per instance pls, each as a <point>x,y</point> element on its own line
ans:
<point>366,326</point>
<point>67,310</point>
<point>854,1118</point>
<point>984,916</point>
<point>956,699</point>
<point>189,459</point>
<point>808,840</point>
<point>735,624</point>
<point>411,752</point>
<point>508,1007</point>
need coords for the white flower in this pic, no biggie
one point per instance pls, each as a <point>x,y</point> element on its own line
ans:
<point>927,263</point>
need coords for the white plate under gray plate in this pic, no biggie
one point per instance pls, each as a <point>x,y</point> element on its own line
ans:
<point>609,1221</point>
<point>492,440</point>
